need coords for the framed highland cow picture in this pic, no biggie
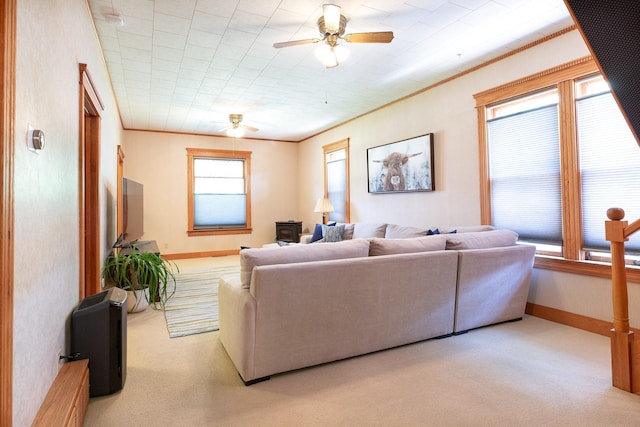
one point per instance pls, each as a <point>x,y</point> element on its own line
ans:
<point>401,166</point>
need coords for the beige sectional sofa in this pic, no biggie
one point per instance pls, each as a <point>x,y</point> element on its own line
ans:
<point>302,305</point>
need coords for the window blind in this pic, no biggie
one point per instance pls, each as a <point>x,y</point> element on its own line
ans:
<point>609,168</point>
<point>524,156</point>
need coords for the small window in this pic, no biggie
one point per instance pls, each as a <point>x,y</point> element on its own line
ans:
<point>219,192</point>
<point>336,179</point>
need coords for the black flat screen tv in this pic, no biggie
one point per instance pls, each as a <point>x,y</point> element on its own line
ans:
<point>132,213</point>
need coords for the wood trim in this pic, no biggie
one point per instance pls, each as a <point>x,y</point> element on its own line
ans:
<point>485,172</point>
<point>89,185</point>
<point>569,164</point>
<point>188,255</point>
<point>7,130</point>
<point>583,267</point>
<point>120,174</point>
<point>578,68</point>
<point>589,324</point>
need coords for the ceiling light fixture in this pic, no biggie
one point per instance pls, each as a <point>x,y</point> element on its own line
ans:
<point>235,131</point>
<point>331,15</point>
<point>331,55</point>
<point>114,18</point>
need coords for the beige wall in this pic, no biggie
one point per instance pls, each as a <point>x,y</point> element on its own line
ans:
<point>53,37</point>
<point>159,162</point>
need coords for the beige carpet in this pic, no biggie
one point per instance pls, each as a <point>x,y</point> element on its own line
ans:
<point>528,373</point>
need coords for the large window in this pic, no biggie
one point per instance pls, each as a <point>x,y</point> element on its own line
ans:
<point>556,153</point>
<point>219,191</point>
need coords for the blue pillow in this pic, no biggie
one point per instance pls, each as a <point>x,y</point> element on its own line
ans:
<point>437,231</point>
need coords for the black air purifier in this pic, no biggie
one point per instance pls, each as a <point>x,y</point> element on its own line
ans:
<point>99,333</point>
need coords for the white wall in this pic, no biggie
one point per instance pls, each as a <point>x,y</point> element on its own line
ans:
<point>53,37</point>
<point>159,162</point>
<point>449,112</point>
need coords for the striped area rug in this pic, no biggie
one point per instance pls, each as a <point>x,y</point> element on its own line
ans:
<point>193,309</point>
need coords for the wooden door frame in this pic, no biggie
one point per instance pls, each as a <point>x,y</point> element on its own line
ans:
<point>91,107</point>
<point>119,222</point>
<point>7,133</point>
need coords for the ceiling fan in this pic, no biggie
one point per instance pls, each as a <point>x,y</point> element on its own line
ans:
<point>332,26</point>
<point>236,128</point>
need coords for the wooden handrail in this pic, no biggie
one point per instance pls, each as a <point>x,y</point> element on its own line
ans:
<point>624,350</point>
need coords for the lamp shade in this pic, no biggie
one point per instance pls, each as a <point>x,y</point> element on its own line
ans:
<point>331,14</point>
<point>323,205</point>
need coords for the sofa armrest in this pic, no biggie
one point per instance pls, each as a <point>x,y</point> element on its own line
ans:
<point>237,310</point>
<point>305,238</point>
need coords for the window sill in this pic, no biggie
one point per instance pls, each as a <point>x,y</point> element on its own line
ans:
<point>218,231</point>
<point>585,268</point>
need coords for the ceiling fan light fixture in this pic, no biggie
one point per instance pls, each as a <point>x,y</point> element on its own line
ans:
<point>331,14</point>
<point>331,56</point>
<point>235,132</point>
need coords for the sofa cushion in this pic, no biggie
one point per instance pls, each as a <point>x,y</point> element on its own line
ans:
<point>332,233</point>
<point>380,246</point>
<point>364,230</point>
<point>249,258</point>
<point>481,239</point>
<point>347,234</point>
<point>399,232</point>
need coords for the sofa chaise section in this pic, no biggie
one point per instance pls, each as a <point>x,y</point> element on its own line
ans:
<point>493,285</point>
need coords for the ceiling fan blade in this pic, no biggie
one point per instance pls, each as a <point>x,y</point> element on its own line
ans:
<point>295,43</point>
<point>376,37</point>
<point>249,128</point>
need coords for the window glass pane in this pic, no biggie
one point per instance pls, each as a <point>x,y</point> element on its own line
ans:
<point>527,103</point>
<point>609,168</point>
<point>219,198</point>
<point>218,186</point>
<point>336,188</point>
<point>524,158</point>
<point>219,211</point>
<point>218,168</point>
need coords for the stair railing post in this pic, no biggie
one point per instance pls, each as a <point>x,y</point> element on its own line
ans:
<point>621,337</point>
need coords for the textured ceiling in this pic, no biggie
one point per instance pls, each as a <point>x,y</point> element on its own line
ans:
<point>185,65</point>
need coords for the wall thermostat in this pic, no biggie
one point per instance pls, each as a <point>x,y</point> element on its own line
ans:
<point>35,139</point>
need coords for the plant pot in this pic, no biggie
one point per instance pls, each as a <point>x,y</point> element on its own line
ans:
<point>137,301</point>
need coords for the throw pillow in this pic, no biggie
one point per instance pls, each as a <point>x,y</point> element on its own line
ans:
<point>437,231</point>
<point>364,231</point>
<point>317,233</point>
<point>332,233</point>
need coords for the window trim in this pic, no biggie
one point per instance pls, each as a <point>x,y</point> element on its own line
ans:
<point>327,149</point>
<point>563,77</point>
<point>193,153</point>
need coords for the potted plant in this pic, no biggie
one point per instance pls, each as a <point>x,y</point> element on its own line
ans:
<point>145,275</point>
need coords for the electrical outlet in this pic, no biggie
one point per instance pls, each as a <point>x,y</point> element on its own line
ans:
<point>59,361</point>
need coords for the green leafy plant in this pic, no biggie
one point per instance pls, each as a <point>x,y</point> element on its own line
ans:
<point>134,271</point>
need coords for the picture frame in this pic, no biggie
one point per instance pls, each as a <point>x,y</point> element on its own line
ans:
<point>401,166</point>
